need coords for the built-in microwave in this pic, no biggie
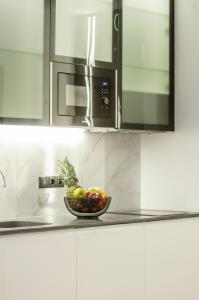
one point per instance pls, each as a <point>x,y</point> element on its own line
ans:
<point>82,96</point>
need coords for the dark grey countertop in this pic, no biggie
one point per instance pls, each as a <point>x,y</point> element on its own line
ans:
<point>112,218</point>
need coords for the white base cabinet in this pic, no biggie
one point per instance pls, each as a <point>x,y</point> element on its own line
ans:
<point>148,261</point>
<point>111,263</point>
<point>38,266</point>
<point>143,261</point>
<point>172,260</point>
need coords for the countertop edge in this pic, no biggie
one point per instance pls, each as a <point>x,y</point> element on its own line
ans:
<point>94,223</point>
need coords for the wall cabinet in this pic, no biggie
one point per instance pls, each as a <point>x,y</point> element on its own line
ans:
<point>83,32</point>
<point>133,38</point>
<point>146,65</point>
<point>24,72</point>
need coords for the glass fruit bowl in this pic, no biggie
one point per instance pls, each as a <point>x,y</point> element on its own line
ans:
<point>83,208</point>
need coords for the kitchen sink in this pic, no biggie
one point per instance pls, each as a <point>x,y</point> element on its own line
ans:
<point>15,224</point>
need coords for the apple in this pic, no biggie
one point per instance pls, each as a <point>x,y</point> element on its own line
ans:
<point>92,190</point>
<point>96,190</point>
<point>79,194</point>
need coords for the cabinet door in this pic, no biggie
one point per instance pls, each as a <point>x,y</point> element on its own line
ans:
<point>24,38</point>
<point>146,87</point>
<point>38,266</point>
<point>84,31</point>
<point>172,261</point>
<point>110,263</point>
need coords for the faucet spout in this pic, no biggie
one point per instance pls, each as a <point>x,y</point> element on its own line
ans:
<point>3,179</point>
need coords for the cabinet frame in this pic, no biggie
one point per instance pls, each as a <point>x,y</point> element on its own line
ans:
<point>49,55</point>
<point>150,127</point>
<point>46,79</point>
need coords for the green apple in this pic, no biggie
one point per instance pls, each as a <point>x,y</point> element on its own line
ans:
<point>79,194</point>
<point>96,190</point>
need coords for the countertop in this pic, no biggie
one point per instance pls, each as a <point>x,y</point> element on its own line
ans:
<point>112,218</point>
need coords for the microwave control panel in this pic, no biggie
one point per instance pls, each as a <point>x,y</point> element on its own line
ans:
<point>102,97</point>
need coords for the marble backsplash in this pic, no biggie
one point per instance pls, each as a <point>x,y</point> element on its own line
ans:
<point>109,160</point>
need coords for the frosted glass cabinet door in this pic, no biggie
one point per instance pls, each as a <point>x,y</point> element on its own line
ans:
<point>83,31</point>
<point>147,64</point>
<point>23,100</point>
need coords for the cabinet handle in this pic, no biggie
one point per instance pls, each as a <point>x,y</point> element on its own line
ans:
<point>115,22</point>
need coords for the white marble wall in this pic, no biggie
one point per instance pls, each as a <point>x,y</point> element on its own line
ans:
<point>108,160</point>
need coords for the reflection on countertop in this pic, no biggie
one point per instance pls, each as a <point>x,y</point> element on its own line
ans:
<point>64,221</point>
<point>150,212</point>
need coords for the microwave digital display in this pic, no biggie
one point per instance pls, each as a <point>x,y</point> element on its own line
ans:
<point>104,84</point>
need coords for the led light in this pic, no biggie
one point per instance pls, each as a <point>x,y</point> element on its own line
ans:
<point>41,135</point>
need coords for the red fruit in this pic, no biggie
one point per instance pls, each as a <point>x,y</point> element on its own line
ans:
<point>87,194</point>
<point>100,197</point>
<point>100,205</point>
<point>104,197</point>
<point>90,195</point>
<point>94,195</point>
<point>94,209</point>
<point>85,209</point>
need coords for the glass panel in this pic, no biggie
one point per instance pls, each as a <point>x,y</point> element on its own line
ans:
<point>84,29</point>
<point>76,95</point>
<point>73,95</point>
<point>146,62</point>
<point>21,58</point>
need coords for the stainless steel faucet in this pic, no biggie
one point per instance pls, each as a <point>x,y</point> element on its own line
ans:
<point>3,179</point>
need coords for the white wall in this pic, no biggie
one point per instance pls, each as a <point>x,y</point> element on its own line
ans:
<point>170,161</point>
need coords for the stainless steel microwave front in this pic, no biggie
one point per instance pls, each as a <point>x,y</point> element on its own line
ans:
<point>82,96</point>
